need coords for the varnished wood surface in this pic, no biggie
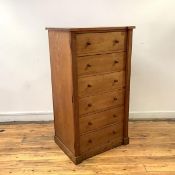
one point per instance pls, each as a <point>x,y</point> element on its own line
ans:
<point>29,149</point>
<point>62,87</point>
<point>94,64</point>
<point>127,79</point>
<point>96,43</point>
<point>101,101</point>
<point>101,119</point>
<point>90,29</point>
<point>103,136</point>
<point>101,83</point>
<point>78,92</point>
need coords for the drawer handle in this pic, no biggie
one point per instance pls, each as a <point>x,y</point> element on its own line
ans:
<point>89,105</point>
<point>89,123</point>
<point>115,98</point>
<point>114,116</point>
<point>115,42</point>
<point>88,44</point>
<point>115,81</point>
<point>88,65</point>
<point>89,141</point>
<point>115,62</point>
<point>114,132</point>
<point>89,85</point>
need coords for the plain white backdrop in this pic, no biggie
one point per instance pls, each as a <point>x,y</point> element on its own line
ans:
<point>25,84</point>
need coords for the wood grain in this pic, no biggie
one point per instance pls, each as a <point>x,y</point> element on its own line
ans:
<point>90,74</point>
<point>75,94</point>
<point>107,135</point>
<point>101,102</point>
<point>127,84</point>
<point>100,83</point>
<point>87,43</point>
<point>94,64</point>
<point>92,29</point>
<point>61,71</point>
<point>101,119</point>
<point>29,149</point>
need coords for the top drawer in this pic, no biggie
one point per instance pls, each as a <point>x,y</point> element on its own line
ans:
<point>93,43</point>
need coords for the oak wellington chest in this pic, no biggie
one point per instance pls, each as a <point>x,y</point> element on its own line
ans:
<point>90,70</point>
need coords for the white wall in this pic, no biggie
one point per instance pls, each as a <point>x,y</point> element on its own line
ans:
<point>25,85</point>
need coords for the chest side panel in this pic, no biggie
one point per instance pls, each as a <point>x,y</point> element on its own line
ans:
<point>61,71</point>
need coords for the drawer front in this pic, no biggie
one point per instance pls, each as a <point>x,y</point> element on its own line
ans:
<point>101,119</point>
<point>92,85</point>
<point>101,137</point>
<point>90,43</point>
<point>102,101</point>
<point>94,64</point>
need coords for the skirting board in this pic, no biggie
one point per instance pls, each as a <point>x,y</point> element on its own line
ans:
<point>26,116</point>
<point>48,116</point>
<point>152,115</point>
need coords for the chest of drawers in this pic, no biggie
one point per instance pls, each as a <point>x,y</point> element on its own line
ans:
<point>90,70</point>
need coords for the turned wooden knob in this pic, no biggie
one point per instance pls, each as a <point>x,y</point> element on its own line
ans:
<point>115,62</point>
<point>88,43</point>
<point>114,116</point>
<point>115,41</point>
<point>88,65</point>
<point>89,141</point>
<point>115,81</point>
<point>115,98</point>
<point>89,105</point>
<point>89,85</point>
<point>89,123</point>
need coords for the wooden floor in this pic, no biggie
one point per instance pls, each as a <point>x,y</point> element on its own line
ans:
<point>29,149</point>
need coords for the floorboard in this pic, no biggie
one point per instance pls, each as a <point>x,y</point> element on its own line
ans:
<point>29,149</point>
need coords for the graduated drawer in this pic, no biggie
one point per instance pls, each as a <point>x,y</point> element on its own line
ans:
<point>100,83</point>
<point>101,101</point>
<point>101,137</point>
<point>101,119</point>
<point>88,65</point>
<point>91,43</point>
